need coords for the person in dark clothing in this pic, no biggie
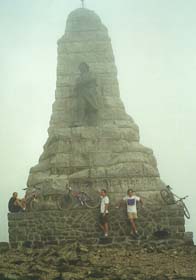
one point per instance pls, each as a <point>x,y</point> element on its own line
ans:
<point>14,204</point>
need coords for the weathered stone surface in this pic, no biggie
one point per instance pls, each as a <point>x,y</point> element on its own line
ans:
<point>106,147</point>
<point>81,223</point>
<point>4,247</point>
<point>148,261</point>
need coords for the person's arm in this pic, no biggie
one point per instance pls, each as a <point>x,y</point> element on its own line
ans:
<point>18,203</point>
<point>106,205</point>
<point>106,208</point>
<point>141,201</point>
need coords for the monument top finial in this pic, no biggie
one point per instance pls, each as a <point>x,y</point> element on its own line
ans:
<point>82,1</point>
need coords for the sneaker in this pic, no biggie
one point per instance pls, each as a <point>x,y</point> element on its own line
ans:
<point>106,234</point>
<point>134,235</point>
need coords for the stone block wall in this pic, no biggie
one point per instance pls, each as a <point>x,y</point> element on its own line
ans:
<point>81,224</point>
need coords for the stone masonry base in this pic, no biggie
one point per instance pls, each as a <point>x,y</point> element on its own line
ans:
<point>81,224</point>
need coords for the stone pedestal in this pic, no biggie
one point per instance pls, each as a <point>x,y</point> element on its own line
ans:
<point>39,228</point>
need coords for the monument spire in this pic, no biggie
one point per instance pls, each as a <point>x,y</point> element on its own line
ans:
<point>82,1</point>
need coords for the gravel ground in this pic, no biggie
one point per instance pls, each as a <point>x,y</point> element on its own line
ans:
<point>108,262</point>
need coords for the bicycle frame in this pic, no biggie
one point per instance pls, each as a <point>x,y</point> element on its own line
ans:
<point>171,198</point>
<point>178,198</point>
<point>82,197</point>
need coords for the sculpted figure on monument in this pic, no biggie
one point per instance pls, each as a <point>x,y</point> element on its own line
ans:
<point>86,97</point>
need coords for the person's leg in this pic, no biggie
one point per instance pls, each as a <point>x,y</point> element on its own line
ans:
<point>106,229</point>
<point>102,227</point>
<point>101,223</point>
<point>80,112</point>
<point>16,209</point>
<point>106,226</point>
<point>19,205</point>
<point>133,226</point>
<point>132,217</point>
<point>23,203</point>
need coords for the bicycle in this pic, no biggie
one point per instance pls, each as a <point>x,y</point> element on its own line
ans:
<point>67,201</point>
<point>171,198</point>
<point>37,200</point>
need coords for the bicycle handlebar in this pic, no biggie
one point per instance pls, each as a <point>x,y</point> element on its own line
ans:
<point>185,197</point>
<point>168,187</point>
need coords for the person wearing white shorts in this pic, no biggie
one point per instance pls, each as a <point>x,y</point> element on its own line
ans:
<point>131,201</point>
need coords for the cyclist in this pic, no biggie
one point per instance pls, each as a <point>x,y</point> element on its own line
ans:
<point>131,202</point>
<point>104,212</point>
<point>15,204</point>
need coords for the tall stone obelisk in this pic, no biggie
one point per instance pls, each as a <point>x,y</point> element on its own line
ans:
<point>93,143</point>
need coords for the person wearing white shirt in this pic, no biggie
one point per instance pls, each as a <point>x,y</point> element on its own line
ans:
<point>131,202</point>
<point>104,212</point>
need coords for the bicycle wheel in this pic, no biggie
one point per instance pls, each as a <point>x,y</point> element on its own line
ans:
<point>65,202</point>
<point>186,212</point>
<point>90,202</point>
<point>33,204</point>
<point>167,196</point>
<point>185,209</point>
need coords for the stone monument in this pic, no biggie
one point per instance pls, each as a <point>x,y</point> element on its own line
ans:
<point>92,141</point>
<point>92,144</point>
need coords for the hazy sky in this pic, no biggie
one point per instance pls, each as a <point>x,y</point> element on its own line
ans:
<point>154,43</point>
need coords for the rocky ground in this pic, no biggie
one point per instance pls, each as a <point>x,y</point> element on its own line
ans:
<point>102,262</point>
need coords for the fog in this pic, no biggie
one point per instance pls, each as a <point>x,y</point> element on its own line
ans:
<point>154,44</point>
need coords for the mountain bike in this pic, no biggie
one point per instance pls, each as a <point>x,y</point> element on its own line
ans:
<point>71,199</point>
<point>38,200</point>
<point>171,198</point>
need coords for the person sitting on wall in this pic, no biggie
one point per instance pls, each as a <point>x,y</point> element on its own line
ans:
<point>15,204</point>
<point>131,202</point>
